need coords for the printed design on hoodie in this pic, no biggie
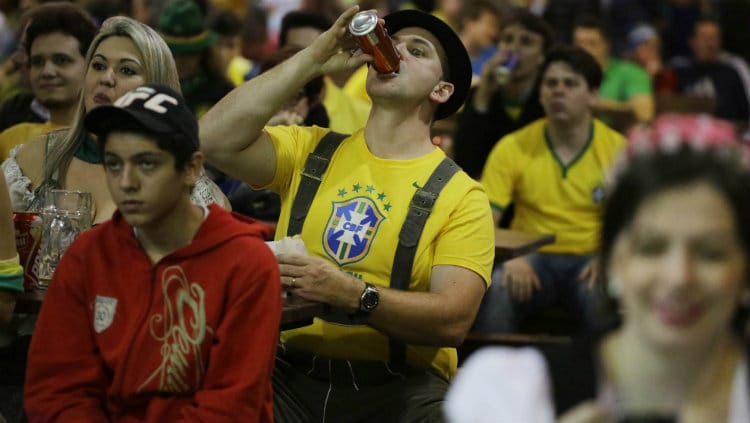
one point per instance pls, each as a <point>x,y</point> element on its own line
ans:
<point>104,312</point>
<point>181,329</point>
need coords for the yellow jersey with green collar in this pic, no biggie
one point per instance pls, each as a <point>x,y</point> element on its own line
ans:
<point>354,222</point>
<point>551,197</point>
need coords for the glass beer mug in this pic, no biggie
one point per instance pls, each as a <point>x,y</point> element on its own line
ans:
<point>64,216</point>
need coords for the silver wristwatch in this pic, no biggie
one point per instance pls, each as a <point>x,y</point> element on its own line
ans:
<point>369,299</point>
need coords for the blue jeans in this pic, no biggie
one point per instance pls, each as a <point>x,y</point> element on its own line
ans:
<point>558,276</point>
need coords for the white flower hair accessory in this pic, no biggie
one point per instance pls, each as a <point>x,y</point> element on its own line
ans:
<point>670,133</point>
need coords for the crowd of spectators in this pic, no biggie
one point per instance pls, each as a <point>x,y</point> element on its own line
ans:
<point>554,87</point>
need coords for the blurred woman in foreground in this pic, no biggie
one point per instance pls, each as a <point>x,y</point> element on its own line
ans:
<point>676,255</point>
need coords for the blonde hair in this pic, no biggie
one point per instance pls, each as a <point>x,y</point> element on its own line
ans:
<point>159,67</point>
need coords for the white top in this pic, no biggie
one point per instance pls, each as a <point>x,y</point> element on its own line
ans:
<point>19,186</point>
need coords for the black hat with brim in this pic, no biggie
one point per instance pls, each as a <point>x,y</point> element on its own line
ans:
<point>153,109</point>
<point>459,72</point>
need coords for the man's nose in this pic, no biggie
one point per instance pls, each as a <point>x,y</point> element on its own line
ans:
<point>128,178</point>
<point>556,87</point>
<point>49,68</point>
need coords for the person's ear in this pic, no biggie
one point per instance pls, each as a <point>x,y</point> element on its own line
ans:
<point>593,98</point>
<point>193,168</point>
<point>442,92</point>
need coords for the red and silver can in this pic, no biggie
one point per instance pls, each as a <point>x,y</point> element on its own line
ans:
<point>28,227</point>
<point>372,38</point>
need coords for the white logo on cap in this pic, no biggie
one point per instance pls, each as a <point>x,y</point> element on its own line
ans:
<point>154,103</point>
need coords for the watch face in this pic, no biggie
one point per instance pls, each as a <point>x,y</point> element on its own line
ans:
<point>370,299</point>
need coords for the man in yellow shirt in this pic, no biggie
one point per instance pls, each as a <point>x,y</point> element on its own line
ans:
<point>386,351</point>
<point>554,171</point>
<point>56,41</point>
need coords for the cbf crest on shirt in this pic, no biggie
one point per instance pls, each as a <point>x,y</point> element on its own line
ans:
<point>351,228</point>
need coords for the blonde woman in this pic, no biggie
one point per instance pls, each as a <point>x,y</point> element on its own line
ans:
<point>124,55</point>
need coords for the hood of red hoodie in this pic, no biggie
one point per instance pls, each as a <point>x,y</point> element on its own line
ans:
<point>220,227</point>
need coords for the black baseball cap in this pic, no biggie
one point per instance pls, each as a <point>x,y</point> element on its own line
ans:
<point>459,72</point>
<point>153,109</point>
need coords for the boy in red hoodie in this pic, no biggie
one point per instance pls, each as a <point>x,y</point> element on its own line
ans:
<point>169,312</point>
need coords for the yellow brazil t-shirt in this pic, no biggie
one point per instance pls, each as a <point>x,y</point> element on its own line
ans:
<point>548,196</point>
<point>354,222</point>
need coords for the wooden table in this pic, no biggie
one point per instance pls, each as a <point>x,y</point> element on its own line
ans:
<point>475,341</point>
<point>511,243</point>
<point>296,312</point>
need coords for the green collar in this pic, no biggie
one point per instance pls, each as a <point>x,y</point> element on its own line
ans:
<point>551,146</point>
<point>89,151</point>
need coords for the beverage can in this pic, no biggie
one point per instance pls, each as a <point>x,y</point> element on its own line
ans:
<point>502,72</point>
<point>372,38</point>
<point>28,228</point>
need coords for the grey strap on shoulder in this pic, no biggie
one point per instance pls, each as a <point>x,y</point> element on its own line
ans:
<point>47,184</point>
<point>315,166</point>
<point>420,209</point>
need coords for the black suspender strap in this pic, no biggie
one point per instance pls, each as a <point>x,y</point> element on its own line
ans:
<point>315,166</point>
<point>408,239</point>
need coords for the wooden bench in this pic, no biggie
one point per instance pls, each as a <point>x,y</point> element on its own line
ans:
<point>475,341</point>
